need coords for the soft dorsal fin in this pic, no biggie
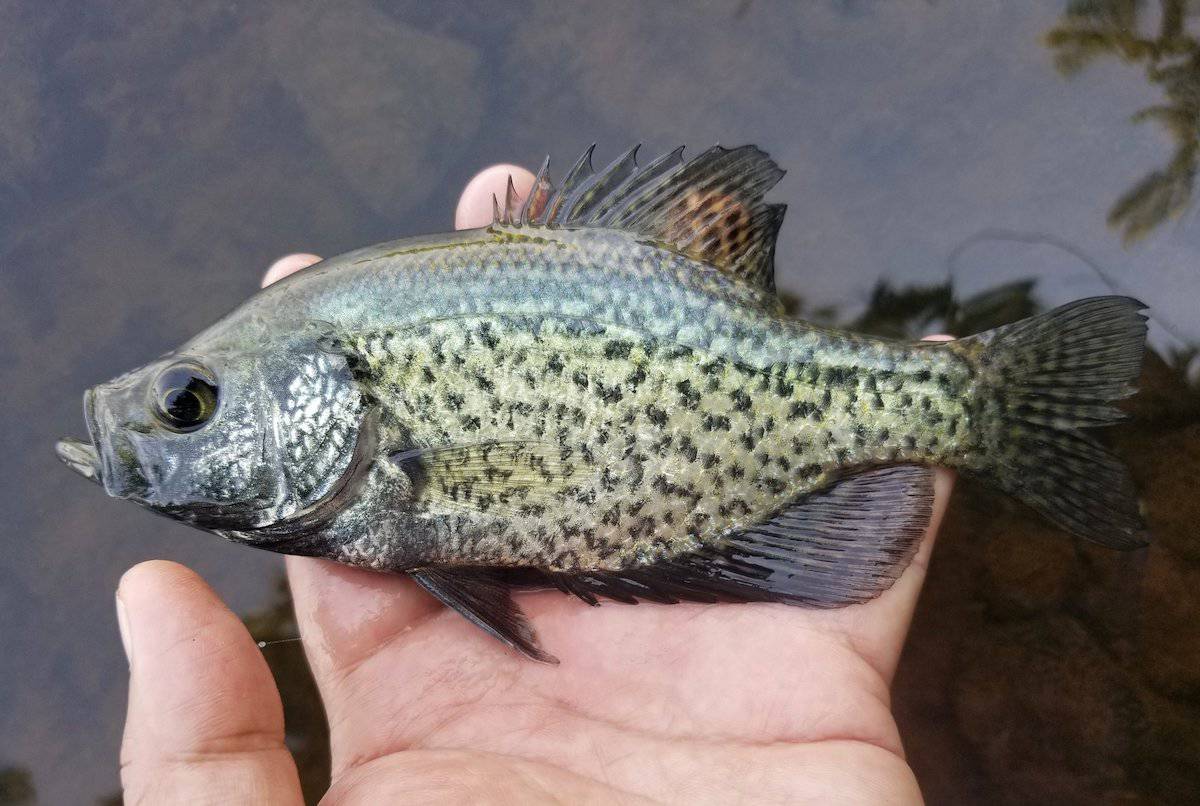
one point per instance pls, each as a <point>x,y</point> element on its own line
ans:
<point>709,207</point>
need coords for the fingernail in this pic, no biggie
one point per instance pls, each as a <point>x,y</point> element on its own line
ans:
<point>123,627</point>
<point>288,264</point>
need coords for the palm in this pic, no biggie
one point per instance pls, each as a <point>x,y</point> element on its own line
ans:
<point>695,702</point>
<point>692,703</point>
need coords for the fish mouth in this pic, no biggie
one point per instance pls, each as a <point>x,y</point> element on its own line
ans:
<point>81,455</point>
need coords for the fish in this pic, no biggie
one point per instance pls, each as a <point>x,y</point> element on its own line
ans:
<point>601,393</point>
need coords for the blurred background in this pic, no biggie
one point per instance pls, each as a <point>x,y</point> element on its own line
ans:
<point>952,165</point>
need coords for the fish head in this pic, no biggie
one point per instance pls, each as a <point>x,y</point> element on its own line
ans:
<point>224,435</point>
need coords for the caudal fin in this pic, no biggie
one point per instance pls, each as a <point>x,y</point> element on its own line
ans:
<point>1045,379</point>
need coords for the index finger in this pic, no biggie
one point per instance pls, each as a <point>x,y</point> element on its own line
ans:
<point>347,614</point>
<point>475,205</point>
<point>474,210</point>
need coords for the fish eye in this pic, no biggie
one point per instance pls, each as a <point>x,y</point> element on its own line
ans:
<point>184,396</point>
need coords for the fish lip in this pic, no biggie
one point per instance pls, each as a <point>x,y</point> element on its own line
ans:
<point>82,456</point>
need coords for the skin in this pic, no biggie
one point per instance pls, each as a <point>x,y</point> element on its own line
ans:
<point>699,703</point>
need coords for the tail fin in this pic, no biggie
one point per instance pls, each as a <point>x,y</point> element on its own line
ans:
<point>1045,378</point>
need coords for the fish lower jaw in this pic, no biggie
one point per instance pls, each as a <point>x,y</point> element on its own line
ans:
<point>80,456</point>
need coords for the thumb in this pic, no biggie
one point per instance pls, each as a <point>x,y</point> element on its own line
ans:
<point>205,723</point>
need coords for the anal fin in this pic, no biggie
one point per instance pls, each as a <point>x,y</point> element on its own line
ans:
<point>486,602</point>
<point>843,545</point>
<point>839,546</point>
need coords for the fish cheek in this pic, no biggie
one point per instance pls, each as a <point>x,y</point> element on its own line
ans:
<point>222,464</point>
<point>320,412</point>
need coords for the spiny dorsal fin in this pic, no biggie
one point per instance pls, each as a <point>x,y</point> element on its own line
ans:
<point>579,173</point>
<point>710,207</point>
<point>586,197</point>
<point>510,214</point>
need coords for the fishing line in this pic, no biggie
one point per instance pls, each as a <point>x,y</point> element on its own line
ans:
<point>265,644</point>
<point>1043,239</point>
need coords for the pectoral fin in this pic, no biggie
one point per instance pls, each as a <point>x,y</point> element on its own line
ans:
<point>507,478</point>
<point>486,602</point>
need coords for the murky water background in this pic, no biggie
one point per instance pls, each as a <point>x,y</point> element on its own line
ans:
<point>154,158</point>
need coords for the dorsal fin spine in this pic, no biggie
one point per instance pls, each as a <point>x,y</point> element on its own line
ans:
<point>539,194</point>
<point>599,186</point>
<point>579,172</point>
<point>625,194</point>
<point>511,213</point>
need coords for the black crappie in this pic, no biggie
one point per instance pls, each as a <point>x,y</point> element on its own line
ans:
<point>600,392</point>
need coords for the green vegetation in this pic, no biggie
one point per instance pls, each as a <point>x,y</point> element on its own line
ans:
<point>1170,57</point>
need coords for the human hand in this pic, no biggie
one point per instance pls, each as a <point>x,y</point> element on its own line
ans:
<point>690,702</point>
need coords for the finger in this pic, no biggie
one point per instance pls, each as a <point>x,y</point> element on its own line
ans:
<point>288,264</point>
<point>204,723</point>
<point>878,628</point>
<point>882,625</point>
<point>347,614</point>
<point>475,205</point>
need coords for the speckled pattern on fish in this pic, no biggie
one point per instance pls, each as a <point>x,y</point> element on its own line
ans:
<point>636,450</point>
